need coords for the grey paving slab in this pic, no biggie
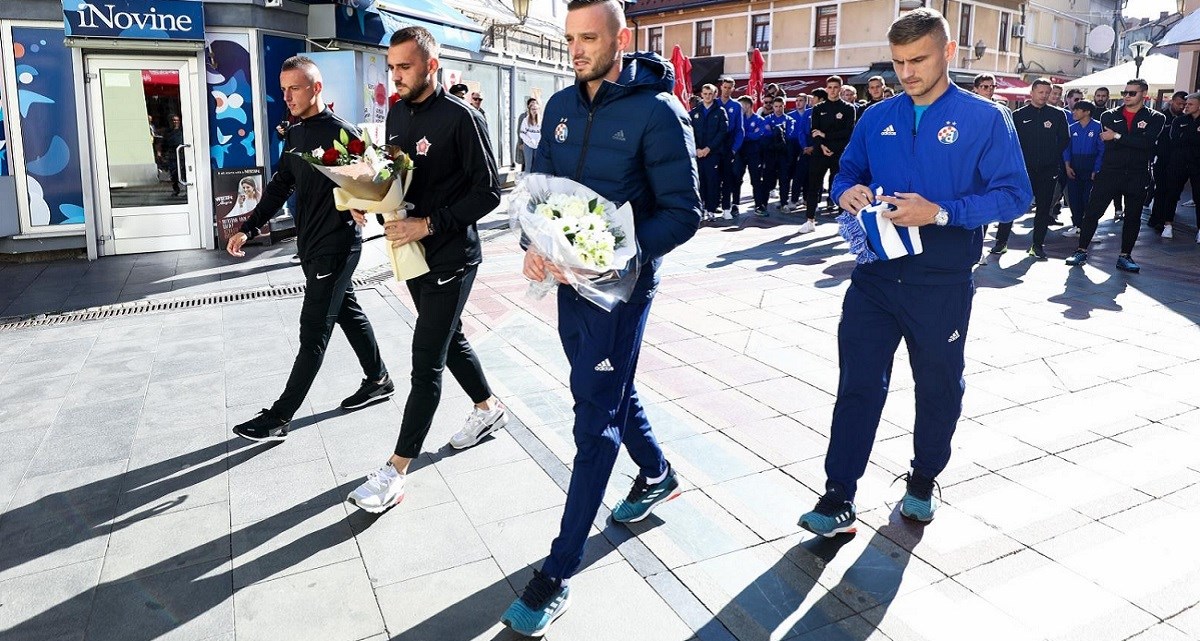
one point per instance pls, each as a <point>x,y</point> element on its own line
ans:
<point>464,602</point>
<point>600,592</point>
<point>522,542</point>
<point>333,602</point>
<point>164,542</point>
<point>53,604</point>
<point>400,546</point>
<point>692,528</point>
<point>194,602</point>
<point>275,548</point>
<point>504,491</point>
<point>308,485</point>
<point>708,459</point>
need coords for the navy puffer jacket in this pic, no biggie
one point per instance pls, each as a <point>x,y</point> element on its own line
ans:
<point>633,143</point>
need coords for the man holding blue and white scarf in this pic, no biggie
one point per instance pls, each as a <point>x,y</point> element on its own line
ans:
<point>952,163</point>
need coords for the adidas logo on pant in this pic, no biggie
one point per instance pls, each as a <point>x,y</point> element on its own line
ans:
<point>604,366</point>
<point>953,337</point>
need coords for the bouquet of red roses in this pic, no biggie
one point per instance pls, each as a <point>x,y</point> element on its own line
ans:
<point>372,178</point>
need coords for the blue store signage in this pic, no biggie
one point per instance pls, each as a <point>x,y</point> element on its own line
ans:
<point>139,19</point>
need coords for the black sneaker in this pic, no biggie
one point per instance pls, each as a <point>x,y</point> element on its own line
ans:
<point>999,248</point>
<point>369,392</point>
<point>264,427</point>
<point>1078,258</point>
<point>1037,253</point>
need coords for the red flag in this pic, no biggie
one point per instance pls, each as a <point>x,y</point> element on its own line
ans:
<point>754,87</point>
<point>683,76</point>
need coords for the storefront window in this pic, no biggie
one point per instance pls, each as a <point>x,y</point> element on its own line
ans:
<point>48,120</point>
<point>531,84</point>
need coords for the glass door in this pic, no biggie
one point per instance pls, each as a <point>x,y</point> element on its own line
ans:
<point>144,118</point>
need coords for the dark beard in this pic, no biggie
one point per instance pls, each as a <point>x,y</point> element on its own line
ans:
<point>600,71</point>
<point>418,90</point>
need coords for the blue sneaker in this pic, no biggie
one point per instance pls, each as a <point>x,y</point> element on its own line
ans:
<point>918,503</point>
<point>1126,264</point>
<point>543,601</point>
<point>833,515</point>
<point>644,497</point>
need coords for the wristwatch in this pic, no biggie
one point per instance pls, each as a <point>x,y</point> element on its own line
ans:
<point>942,218</point>
<point>1116,136</point>
<point>429,226</point>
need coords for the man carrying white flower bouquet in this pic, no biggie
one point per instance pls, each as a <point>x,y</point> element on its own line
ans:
<point>620,132</point>
<point>329,245</point>
<point>454,184</point>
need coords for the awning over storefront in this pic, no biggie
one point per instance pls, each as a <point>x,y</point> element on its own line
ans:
<point>1011,88</point>
<point>792,84</point>
<point>375,24</point>
<point>1158,71</point>
<point>1186,31</point>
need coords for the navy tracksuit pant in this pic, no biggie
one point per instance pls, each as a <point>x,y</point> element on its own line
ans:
<point>602,348</point>
<point>710,181</point>
<point>729,198</point>
<point>876,315</point>
<point>749,157</point>
<point>1079,189</point>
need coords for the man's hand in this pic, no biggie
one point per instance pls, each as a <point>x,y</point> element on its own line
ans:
<point>404,231</point>
<point>536,267</point>
<point>359,216</point>
<point>702,152</point>
<point>1107,134</point>
<point>817,133</point>
<point>856,198</point>
<point>912,210</point>
<point>808,151</point>
<point>234,246</point>
<point>1070,172</point>
<point>826,150</point>
<point>1093,175</point>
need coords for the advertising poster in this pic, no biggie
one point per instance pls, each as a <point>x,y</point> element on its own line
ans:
<point>235,194</point>
<point>376,87</point>
<point>230,101</point>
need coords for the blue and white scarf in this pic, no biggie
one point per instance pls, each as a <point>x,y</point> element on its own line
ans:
<point>872,236</point>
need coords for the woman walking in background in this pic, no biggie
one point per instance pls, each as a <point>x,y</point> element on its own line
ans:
<point>531,133</point>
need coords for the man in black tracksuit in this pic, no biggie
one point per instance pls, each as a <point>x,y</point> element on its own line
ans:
<point>454,184</point>
<point>1130,135</point>
<point>1043,131</point>
<point>832,124</point>
<point>328,243</point>
<point>1180,158</point>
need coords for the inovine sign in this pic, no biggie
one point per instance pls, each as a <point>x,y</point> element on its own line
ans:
<point>140,19</point>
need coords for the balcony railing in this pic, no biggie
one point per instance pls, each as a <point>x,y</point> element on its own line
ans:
<point>528,45</point>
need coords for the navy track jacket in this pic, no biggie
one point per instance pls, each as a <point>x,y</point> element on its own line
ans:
<point>632,143</point>
<point>965,157</point>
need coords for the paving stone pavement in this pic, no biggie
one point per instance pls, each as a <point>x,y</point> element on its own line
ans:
<point>1071,501</point>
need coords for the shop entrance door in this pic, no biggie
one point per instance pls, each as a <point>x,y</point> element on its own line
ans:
<point>144,116</point>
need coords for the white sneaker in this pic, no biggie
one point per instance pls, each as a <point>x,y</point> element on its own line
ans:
<point>807,228</point>
<point>1190,203</point>
<point>1166,233</point>
<point>1118,214</point>
<point>382,489</point>
<point>727,214</point>
<point>1071,231</point>
<point>479,424</point>
<point>1198,238</point>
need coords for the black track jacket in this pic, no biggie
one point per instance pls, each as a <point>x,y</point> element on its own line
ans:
<point>455,182</point>
<point>321,230</point>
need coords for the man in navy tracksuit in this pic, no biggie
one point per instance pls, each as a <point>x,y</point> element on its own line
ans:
<point>802,116</point>
<point>650,166</point>
<point>777,152</point>
<point>710,126</point>
<point>733,145</point>
<point>750,156</point>
<point>949,162</point>
<point>1081,162</point>
<point>1042,129</point>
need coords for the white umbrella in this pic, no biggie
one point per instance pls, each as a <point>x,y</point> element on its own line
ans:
<point>1157,70</point>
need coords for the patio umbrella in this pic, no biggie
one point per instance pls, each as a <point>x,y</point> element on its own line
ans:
<point>754,88</point>
<point>683,76</point>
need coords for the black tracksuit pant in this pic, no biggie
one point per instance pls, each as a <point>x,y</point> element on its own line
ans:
<point>328,299</point>
<point>1109,184</point>
<point>438,343</point>
<point>1044,182</point>
<point>818,165</point>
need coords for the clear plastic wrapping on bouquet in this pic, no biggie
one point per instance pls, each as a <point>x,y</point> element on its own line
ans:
<point>605,286</point>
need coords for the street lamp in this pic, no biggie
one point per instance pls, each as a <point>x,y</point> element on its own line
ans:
<point>980,49</point>
<point>521,9</point>
<point>1139,50</point>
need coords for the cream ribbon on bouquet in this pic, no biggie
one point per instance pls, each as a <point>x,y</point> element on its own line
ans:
<point>358,188</point>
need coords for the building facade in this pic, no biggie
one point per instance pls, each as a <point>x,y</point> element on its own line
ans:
<point>150,125</point>
<point>802,41</point>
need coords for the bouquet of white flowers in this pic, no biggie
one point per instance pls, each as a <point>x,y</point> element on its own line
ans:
<point>373,179</point>
<point>589,238</point>
<point>872,236</point>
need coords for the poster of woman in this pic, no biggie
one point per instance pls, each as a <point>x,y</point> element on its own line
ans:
<point>236,192</point>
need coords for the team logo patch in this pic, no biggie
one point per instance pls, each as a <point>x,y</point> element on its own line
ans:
<point>560,132</point>
<point>1091,134</point>
<point>1047,124</point>
<point>1142,124</point>
<point>838,115</point>
<point>423,146</point>
<point>947,135</point>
